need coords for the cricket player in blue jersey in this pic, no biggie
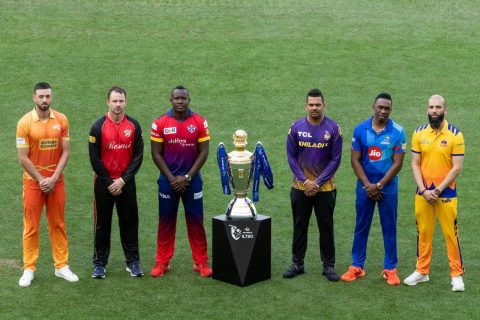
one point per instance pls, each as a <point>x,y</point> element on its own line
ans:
<point>314,152</point>
<point>378,149</point>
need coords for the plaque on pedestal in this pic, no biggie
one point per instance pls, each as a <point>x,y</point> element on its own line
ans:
<point>241,250</point>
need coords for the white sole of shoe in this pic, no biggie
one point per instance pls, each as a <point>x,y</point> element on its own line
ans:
<point>424,279</point>
<point>128,270</point>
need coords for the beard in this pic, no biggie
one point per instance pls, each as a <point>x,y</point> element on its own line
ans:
<point>435,123</point>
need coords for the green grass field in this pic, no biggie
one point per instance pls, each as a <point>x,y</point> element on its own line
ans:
<point>248,64</point>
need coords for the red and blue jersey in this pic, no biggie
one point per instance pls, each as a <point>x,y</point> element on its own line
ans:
<point>377,149</point>
<point>180,139</point>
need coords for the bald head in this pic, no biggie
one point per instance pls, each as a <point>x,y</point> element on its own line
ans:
<point>436,99</point>
<point>436,111</point>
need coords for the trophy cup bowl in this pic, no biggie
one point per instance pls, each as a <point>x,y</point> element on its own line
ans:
<point>240,174</point>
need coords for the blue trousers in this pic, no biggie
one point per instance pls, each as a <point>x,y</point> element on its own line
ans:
<point>387,209</point>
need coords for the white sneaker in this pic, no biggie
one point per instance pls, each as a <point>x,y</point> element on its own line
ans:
<point>26,279</point>
<point>415,278</point>
<point>457,284</point>
<point>67,274</point>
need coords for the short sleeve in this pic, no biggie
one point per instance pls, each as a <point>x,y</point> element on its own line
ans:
<point>22,139</point>
<point>65,129</point>
<point>156,134</point>
<point>204,133</point>
<point>356,139</point>
<point>415,142</point>
<point>401,143</point>
<point>458,145</point>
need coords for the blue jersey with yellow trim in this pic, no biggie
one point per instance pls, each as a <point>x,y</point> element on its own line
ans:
<point>377,149</point>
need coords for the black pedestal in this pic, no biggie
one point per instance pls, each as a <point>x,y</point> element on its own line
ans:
<point>241,250</point>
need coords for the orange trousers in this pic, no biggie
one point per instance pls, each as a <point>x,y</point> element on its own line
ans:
<point>446,211</point>
<point>33,202</point>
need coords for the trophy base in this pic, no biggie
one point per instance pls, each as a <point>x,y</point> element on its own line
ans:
<point>241,208</point>
<point>241,250</point>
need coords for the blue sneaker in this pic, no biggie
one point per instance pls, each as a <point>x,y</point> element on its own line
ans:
<point>134,269</point>
<point>98,272</point>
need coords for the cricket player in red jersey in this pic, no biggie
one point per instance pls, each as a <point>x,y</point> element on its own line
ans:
<point>116,154</point>
<point>179,143</point>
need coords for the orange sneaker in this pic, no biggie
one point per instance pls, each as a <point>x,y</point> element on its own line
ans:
<point>353,273</point>
<point>391,276</point>
<point>159,270</point>
<point>203,269</point>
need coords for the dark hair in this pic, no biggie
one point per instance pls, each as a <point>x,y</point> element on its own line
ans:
<point>383,95</point>
<point>116,89</point>
<point>41,86</point>
<point>179,88</point>
<point>314,93</point>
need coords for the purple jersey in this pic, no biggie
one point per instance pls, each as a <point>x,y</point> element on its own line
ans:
<point>314,152</point>
<point>180,139</point>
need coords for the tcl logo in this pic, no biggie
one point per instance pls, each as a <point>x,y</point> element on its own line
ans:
<point>374,153</point>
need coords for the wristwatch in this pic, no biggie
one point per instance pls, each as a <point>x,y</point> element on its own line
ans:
<point>379,185</point>
<point>188,178</point>
<point>437,192</point>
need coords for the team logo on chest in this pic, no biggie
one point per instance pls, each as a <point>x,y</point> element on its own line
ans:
<point>386,140</point>
<point>443,143</point>
<point>191,128</point>
<point>127,133</point>
<point>56,127</point>
<point>326,136</point>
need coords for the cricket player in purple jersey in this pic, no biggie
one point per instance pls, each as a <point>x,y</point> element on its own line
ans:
<point>314,151</point>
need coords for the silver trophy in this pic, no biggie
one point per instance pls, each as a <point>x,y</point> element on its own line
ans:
<point>240,162</point>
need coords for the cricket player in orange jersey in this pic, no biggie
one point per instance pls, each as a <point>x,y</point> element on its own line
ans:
<point>43,150</point>
<point>438,150</point>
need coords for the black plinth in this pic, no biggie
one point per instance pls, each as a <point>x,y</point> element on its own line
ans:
<point>241,250</point>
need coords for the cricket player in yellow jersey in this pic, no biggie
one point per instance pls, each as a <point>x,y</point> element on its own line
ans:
<point>437,158</point>
<point>43,151</point>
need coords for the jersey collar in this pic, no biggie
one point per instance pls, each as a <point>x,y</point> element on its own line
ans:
<point>444,129</point>
<point>170,113</point>
<point>388,127</point>
<point>36,118</point>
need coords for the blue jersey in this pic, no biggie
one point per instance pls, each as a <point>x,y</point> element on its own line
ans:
<point>377,150</point>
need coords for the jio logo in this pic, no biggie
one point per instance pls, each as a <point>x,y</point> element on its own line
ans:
<point>374,153</point>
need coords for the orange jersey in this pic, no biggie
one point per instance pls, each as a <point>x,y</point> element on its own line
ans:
<point>436,152</point>
<point>44,139</point>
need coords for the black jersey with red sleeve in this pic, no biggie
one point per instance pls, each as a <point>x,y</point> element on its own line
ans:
<point>116,148</point>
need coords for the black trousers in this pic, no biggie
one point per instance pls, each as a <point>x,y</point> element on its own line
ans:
<point>323,203</point>
<point>127,210</point>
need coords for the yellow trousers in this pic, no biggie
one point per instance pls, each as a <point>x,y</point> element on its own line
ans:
<point>446,211</point>
<point>33,202</point>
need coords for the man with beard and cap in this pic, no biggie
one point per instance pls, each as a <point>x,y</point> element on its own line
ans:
<point>378,149</point>
<point>437,158</point>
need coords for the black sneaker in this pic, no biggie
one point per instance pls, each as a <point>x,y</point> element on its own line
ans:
<point>330,273</point>
<point>134,269</point>
<point>293,271</point>
<point>98,272</point>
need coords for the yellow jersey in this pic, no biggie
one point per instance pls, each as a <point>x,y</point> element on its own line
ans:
<point>436,152</point>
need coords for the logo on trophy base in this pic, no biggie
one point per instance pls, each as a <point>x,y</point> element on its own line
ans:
<point>238,168</point>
